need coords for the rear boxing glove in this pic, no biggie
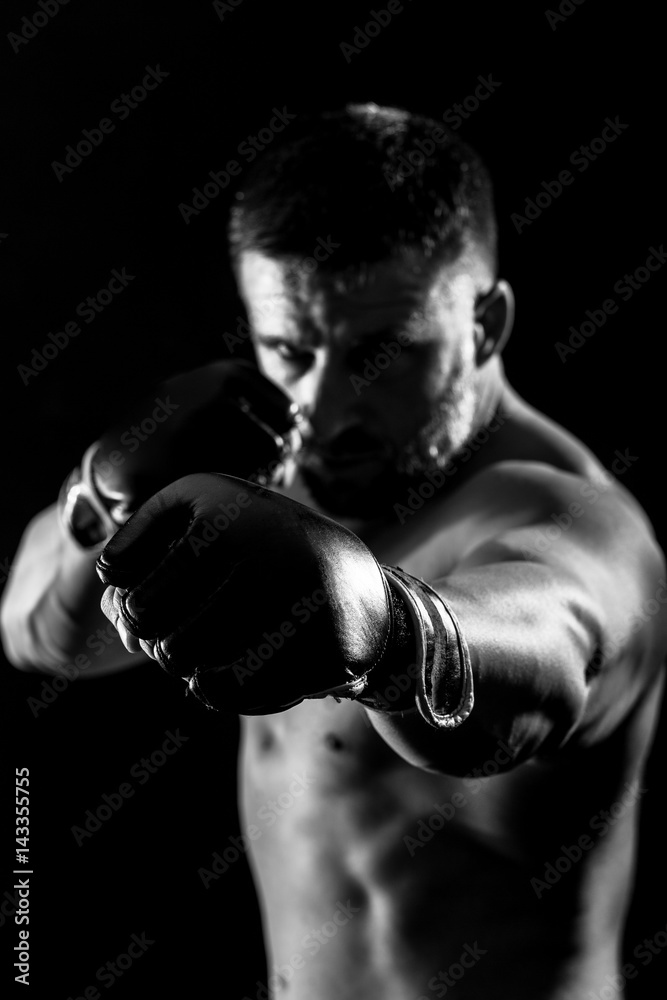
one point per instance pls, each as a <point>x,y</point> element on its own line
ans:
<point>273,603</point>
<point>222,417</point>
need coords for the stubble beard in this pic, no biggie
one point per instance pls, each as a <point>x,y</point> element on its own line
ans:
<point>430,449</point>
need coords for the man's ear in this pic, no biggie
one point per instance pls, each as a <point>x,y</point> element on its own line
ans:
<point>494,318</point>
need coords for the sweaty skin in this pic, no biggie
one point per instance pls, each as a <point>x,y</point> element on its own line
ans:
<point>394,862</point>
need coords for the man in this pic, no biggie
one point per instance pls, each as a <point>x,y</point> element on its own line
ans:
<point>443,609</point>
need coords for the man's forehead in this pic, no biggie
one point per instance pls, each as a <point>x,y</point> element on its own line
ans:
<point>406,286</point>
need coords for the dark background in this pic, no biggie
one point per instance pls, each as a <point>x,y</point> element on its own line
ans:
<point>119,208</point>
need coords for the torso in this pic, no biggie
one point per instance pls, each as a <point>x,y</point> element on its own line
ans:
<point>369,890</point>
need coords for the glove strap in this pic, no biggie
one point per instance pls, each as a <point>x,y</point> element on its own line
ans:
<point>286,445</point>
<point>81,507</point>
<point>444,669</point>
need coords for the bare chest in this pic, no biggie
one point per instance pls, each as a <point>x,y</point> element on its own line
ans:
<point>320,775</point>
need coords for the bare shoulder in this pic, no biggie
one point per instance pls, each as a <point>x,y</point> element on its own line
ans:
<point>536,474</point>
<point>586,532</point>
<point>571,514</point>
<point>532,492</point>
<point>528,489</point>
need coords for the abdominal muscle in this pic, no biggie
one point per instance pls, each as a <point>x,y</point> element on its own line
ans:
<point>369,890</point>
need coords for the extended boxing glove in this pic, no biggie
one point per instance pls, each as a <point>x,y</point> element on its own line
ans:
<point>259,602</point>
<point>223,417</point>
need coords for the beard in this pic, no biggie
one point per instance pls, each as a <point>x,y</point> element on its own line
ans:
<point>370,492</point>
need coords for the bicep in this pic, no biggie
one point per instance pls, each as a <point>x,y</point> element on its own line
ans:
<point>592,578</point>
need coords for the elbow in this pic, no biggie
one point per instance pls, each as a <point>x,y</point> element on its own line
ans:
<point>10,637</point>
<point>16,649</point>
<point>531,727</point>
<point>22,646</point>
<point>14,632</point>
<point>516,719</point>
<point>549,718</point>
<point>547,704</point>
<point>547,729</point>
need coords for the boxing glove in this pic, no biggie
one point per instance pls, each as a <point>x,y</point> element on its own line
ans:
<point>222,417</point>
<point>260,602</point>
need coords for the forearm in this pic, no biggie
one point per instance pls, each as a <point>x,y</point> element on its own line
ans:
<point>530,636</point>
<point>50,614</point>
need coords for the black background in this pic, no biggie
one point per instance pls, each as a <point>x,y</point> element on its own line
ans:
<point>119,208</point>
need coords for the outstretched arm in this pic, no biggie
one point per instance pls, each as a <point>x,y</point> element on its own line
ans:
<point>555,653</point>
<point>565,617</point>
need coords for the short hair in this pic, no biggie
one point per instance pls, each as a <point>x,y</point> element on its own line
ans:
<point>378,181</point>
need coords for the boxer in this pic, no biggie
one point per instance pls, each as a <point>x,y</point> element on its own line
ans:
<point>449,619</point>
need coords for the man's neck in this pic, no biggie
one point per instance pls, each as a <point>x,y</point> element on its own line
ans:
<point>492,390</point>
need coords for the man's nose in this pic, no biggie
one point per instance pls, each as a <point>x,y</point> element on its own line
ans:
<point>329,403</point>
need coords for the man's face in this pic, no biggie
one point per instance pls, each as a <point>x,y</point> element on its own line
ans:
<point>382,366</point>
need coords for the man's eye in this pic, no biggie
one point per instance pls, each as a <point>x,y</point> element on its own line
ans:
<point>288,352</point>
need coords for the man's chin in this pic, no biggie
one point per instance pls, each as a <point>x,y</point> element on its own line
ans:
<point>354,497</point>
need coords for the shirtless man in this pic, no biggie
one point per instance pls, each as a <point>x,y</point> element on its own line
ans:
<point>474,724</point>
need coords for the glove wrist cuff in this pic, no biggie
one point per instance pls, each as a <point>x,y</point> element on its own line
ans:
<point>443,690</point>
<point>81,508</point>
